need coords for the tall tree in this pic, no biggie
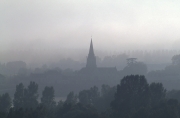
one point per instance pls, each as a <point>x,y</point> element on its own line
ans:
<point>104,101</point>
<point>5,102</point>
<point>48,97</point>
<point>132,94</point>
<point>18,100</point>
<point>26,97</point>
<point>158,93</point>
<point>31,96</point>
<point>71,98</point>
<point>176,59</point>
<point>89,96</point>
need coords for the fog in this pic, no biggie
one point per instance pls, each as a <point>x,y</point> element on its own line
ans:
<point>114,26</point>
<point>58,33</point>
<point>46,31</point>
<point>89,59</point>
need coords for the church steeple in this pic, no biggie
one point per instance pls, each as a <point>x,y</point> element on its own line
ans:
<point>91,59</point>
<point>91,50</point>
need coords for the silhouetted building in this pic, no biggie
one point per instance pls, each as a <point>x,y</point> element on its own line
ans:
<point>92,68</point>
<point>91,59</point>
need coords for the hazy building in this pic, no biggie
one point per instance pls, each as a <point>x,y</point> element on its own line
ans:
<point>91,66</point>
<point>91,59</point>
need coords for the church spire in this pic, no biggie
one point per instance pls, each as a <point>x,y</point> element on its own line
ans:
<point>91,59</point>
<point>91,50</point>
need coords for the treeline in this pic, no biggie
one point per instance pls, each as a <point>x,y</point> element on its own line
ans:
<point>170,70</point>
<point>132,98</point>
<point>67,80</point>
<point>118,60</point>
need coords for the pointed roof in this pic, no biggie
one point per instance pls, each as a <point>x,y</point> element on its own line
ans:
<point>91,50</point>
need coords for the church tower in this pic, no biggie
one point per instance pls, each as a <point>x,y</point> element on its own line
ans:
<point>91,59</point>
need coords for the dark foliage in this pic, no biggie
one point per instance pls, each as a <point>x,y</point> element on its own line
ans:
<point>31,96</point>
<point>26,97</point>
<point>89,96</point>
<point>132,98</point>
<point>18,100</point>
<point>158,93</point>
<point>77,111</point>
<point>48,97</point>
<point>5,103</point>
<point>71,98</point>
<point>135,68</point>
<point>107,95</point>
<point>132,94</point>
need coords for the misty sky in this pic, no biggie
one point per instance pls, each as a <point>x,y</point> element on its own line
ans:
<point>114,25</point>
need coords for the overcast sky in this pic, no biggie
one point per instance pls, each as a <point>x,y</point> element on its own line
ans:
<point>114,25</point>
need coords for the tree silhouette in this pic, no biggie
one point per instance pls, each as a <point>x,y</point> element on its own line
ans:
<point>176,60</point>
<point>89,96</point>
<point>5,102</point>
<point>18,100</point>
<point>31,96</point>
<point>48,97</point>
<point>26,97</point>
<point>107,96</point>
<point>132,94</point>
<point>158,93</point>
<point>71,98</point>
<point>166,109</point>
<point>135,68</point>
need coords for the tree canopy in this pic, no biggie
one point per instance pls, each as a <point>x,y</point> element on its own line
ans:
<point>47,98</point>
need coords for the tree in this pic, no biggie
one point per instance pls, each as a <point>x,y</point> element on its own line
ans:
<point>13,67</point>
<point>105,89</point>
<point>48,97</point>
<point>31,96</point>
<point>132,94</point>
<point>173,94</point>
<point>158,93</point>
<point>166,109</point>
<point>176,59</point>
<point>107,96</point>
<point>71,98</point>
<point>5,102</point>
<point>84,97</point>
<point>26,97</point>
<point>18,100</point>
<point>88,96</point>
<point>135,68</point>
<point>77,111</point>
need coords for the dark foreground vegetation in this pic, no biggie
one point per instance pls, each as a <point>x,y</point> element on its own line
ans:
<point>132,98</point>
